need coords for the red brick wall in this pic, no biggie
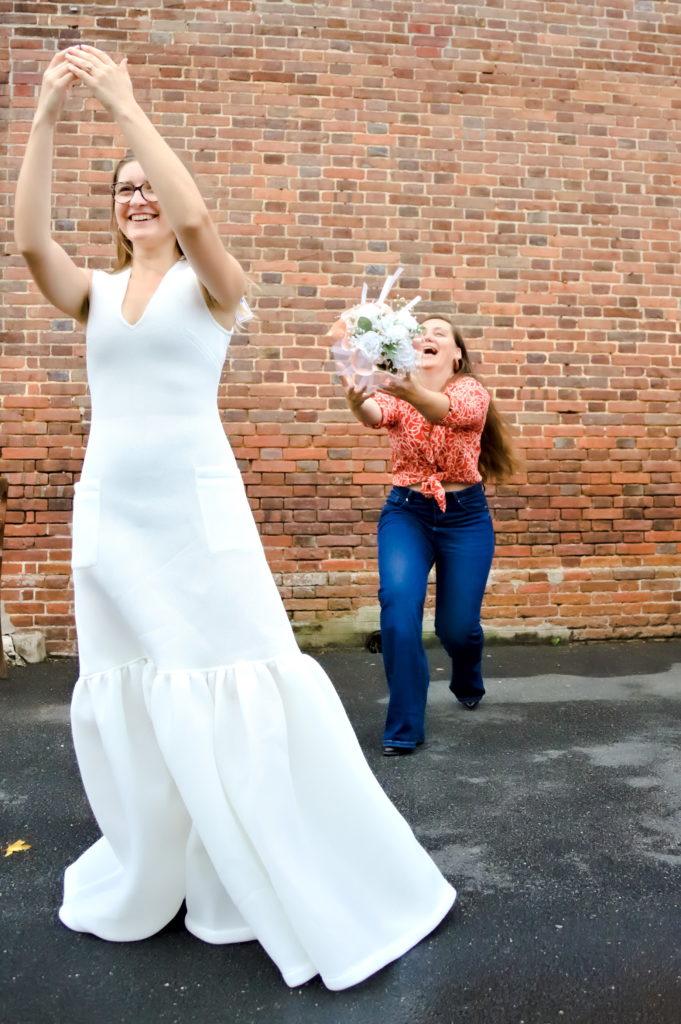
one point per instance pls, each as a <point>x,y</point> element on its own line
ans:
<point>520,160</point>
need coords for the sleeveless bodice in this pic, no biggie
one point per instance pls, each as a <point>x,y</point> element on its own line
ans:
<point>168,363</point>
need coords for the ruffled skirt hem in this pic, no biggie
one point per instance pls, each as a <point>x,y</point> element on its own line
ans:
<point>242,790</point>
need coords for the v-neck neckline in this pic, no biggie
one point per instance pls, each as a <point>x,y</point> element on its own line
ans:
<point>149,301</point>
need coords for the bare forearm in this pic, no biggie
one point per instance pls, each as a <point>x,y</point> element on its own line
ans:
<point>66,285</point>
<point>33,203</point>
<point>173,184</point>
<point>433,405</point>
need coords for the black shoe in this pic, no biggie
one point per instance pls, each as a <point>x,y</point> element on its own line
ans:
<point>470,705</point>
<point>397,751</point>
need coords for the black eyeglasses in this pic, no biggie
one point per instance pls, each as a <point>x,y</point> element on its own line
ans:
<point>123,191</point>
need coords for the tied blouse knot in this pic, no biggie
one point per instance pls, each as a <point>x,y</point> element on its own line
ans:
<point>430,453</point>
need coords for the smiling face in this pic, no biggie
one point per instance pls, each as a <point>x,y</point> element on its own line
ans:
<point>440,353</point>
<point>141,219</point>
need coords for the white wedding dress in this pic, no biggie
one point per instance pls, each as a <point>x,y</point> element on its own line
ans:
<point>217,758</point>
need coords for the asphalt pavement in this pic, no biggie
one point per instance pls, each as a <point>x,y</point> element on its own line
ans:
<point>554,808</point>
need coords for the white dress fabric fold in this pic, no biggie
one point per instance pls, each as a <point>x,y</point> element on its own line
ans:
<point>217,758</point>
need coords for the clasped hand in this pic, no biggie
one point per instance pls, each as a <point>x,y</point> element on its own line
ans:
<point>107,81</point>
<point>103,78</point>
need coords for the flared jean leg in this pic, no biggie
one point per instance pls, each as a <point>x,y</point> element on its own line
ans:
<point>405,557</point>
<point>465,546</point>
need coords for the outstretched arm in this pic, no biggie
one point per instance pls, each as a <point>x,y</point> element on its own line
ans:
<point>178,195</point>
<point>434,405</point>
<point>363,408</point>
<point>66,285</point>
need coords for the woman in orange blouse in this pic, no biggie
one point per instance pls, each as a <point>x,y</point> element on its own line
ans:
<point>447,439</point>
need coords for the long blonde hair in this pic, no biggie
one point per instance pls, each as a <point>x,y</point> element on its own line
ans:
<point>123,257</point>
<point>498,460</point>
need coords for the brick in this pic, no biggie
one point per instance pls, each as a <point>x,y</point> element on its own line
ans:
<point>560,272</point>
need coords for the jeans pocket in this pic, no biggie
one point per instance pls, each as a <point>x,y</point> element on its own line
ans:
<point>225,513</point>
<point>85,535</point>
<point>397,498</point>
<point>472,499</point>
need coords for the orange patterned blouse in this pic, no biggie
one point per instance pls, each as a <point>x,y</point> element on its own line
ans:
<point>429,453</point>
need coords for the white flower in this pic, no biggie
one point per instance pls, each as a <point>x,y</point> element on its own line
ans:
<point>392,330</point>
<point>380,335</point>
<point>368,310</point>
<point>405,318</point>
<point>402,355</point>
<point>369,342</point>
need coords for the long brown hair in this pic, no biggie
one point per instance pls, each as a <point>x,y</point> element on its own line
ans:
<point>123,244</point>
<point>498,460</point>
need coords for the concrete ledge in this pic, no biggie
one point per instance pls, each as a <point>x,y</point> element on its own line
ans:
<point>23,648</point>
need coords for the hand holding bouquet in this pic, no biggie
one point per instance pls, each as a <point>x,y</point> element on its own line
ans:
<point>373,339</point>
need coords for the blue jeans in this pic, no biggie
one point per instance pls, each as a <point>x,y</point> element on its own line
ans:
<point>414,535</point>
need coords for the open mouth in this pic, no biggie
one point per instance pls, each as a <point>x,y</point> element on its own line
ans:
<point>139,218</point>
<point>429,350</point>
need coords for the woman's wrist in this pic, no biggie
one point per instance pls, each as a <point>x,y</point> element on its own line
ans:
<point>417,391</point>
<point>45,120</point>
<point>125,109</point>
<point>413,393</point>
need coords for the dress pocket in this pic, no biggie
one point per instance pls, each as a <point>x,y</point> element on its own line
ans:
<point>226,515</point>
<point>85,541</point>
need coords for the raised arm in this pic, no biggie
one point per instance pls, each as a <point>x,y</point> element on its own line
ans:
<point>60,280</point>
<point>177,193</point>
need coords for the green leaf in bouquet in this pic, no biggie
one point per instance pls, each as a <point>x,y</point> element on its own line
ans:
<point>364,324</point>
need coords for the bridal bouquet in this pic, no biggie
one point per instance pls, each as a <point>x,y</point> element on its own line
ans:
<point>373,338</point>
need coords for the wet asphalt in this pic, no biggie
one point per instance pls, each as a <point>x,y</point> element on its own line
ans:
<point>554,808</point>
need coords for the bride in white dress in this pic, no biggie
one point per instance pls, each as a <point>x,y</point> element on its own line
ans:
<point>217,758</point>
